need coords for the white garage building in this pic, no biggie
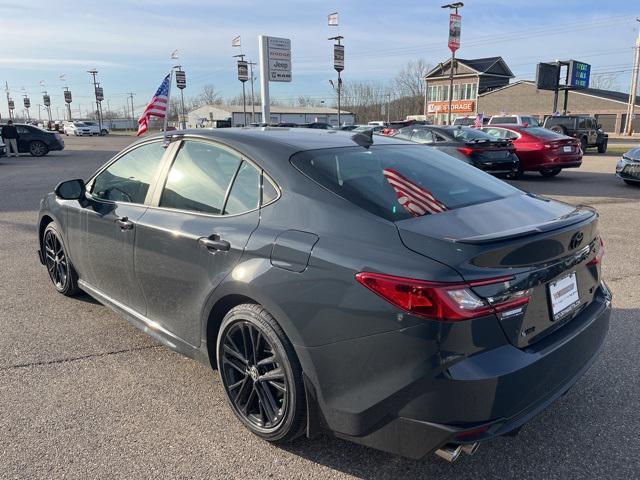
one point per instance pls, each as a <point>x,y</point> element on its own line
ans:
<point>206,116</point>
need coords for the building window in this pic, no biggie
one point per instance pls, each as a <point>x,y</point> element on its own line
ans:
<point>456,92</point>
<point>474,87</point>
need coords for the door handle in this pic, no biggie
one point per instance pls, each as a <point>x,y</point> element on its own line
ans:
<point>213,243</point>
<point>124,223</point>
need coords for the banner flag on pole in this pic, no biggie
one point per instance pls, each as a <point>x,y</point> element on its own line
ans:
<point>333,19</point>
<point>174,55</point>
<point>236,41</point>
<point>157,107</point>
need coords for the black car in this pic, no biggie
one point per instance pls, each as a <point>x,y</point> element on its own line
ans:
<point>583,127</point>
<point>628,168</point>
<point>351,283</point>
<point>470,145</point>
<point>317,125</point>
<point>3,149</point>
<point>36,141</point>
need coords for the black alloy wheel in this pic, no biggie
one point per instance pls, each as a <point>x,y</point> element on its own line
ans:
<point>583,144</point>
<point>55,258</point>
<point>260,374</point>
<point>38,148</point>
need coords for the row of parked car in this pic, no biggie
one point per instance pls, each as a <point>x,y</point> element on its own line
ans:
<point>513,144</point>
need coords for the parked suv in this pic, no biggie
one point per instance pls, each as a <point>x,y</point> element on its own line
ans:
<point>583,127</point>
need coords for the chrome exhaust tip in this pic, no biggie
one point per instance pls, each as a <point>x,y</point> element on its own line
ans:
<point>449,452</point>
<point>470,448</point>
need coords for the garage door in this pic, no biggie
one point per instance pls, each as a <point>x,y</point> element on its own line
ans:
<point>608,122</point>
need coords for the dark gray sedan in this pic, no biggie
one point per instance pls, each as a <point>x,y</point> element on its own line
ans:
<point>340,281</point>
<point>628,168</point>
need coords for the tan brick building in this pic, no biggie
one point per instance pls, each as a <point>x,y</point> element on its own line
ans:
<point>470,78</point>
<point>524,98</point>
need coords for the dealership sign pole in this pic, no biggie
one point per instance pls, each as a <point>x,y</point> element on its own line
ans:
<point>67,100</point>
<point>338,58</point>
<point>181,83</point>
<point>275,66</point>
<point>243,76</point>
<point>27,105</point>
<point>455,23</point>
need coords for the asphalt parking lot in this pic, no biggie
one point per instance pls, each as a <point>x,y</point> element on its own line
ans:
<point>85,395</point>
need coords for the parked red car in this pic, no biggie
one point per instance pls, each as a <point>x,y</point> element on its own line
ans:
<point>539,149</point>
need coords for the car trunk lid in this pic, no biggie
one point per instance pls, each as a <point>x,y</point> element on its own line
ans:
<point>542,246</point>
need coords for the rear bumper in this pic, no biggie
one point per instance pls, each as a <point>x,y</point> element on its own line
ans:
<point>450,398</point>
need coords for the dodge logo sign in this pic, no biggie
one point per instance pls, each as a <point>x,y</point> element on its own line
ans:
<point>576,240</point>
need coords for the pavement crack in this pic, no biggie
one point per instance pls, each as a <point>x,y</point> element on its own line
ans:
<point>76,359</point>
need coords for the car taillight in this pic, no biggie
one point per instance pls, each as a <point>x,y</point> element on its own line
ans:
<point>547,145</point>
<point>467,151</point>
<point>448,302</point>
<point>598,258</point>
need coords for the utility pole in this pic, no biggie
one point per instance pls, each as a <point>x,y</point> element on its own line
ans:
<point>93,72</point>
<point>634,87</point>
<point>388,107</point>
<point>133,115</point>
<point>454,44</point>
<point>39,113</point>
<point>67,101</point>
<point>253,101</point>
<point>338,65</point>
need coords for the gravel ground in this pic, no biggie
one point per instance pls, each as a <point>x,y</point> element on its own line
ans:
<point>85,395</point>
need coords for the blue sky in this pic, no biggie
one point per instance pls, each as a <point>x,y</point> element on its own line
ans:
<point>129,42</point>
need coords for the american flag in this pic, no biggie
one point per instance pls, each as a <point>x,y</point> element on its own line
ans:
<point>416,200</point>
<point>478,121</point>
<point>157,107</point>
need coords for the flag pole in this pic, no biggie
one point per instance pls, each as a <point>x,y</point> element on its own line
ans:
<point>166,116</point>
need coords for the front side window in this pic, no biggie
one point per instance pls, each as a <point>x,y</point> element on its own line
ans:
<point>129,177</point>
<point>199,178</point>
<point>397,182</point>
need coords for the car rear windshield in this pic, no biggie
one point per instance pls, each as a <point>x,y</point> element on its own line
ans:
<point>469,134</point>
<point>397,182</point>
<point>503,120</point>
<point>543,133</point>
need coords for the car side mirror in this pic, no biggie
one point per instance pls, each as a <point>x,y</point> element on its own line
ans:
<point>71,189</point>
<point>599,126</point>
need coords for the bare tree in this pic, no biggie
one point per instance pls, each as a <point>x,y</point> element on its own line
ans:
<point>208,96</point>
<point>408,88</point>
<point>604,81</point>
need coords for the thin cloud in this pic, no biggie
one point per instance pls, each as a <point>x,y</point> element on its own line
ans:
<point>30,62</point>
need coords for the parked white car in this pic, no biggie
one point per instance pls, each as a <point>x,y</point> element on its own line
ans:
<point>78,129</point>
<point>95,128</point>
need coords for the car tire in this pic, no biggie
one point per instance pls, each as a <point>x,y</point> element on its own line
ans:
<point>103,132</point>
<point>583,144</point>
<point>61,271</point>
<point>552,172</point>
<point>261,374</point>
<point>559,129</point>
<point>629,182</point>
<point>38,148</point>
<point>602,147</point>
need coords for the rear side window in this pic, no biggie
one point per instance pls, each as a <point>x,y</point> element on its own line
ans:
<point>128,178</point>
<point>422,136</point>
<point>469,134</point>
<point>245,192</point>
<point>199,178</point>
<point>397,182</point>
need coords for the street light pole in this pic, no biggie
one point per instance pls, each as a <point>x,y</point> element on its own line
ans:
<point>243,78</point>
<point>338,66</point>
<point>452,6</point>
<point>253,102</point>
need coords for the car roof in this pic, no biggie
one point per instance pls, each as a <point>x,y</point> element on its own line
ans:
<point>293,139</point>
